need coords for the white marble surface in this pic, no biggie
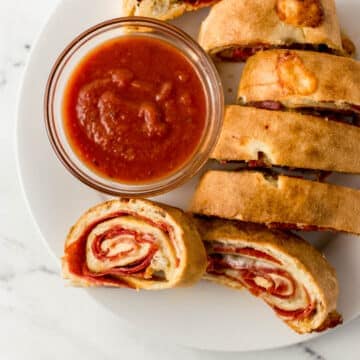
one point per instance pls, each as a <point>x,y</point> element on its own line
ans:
<point>39,317</point>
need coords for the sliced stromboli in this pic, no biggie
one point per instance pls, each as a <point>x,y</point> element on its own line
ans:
<point>278,79</point>
<point>134,243</point>
<point>264,138</point>
<point>281,202</point>
<point>162,9</point>
<point>282,269</point>
<point>237,29</point>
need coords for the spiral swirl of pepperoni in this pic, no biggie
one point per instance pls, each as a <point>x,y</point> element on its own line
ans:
<point>264,276</point>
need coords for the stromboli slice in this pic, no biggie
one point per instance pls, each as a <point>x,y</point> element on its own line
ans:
<point>134,243</point>
<point>282,269</point>
<point>236,29</point>
<point>262,138</point>
<point>162,9</point>
<point>278,202</point>
<point>292,79</point>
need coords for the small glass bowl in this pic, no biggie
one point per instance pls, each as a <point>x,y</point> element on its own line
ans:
<point>95,36</point>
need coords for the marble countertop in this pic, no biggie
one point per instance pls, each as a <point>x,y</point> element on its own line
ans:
<point>38,319</point>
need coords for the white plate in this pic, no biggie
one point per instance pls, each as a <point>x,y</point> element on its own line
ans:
<point>205,316</point>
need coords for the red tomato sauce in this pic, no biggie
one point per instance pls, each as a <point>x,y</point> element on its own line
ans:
<point>134,109</point>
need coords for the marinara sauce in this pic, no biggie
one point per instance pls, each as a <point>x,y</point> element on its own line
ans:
<point>134,109</point>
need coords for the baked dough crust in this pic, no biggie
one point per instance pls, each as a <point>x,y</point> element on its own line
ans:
<point>187,243</point>
<point>277,202</point>
<point>337,79</point>
<point>161,9</point>
<point>298,256</point>
<point>347,44</point>
<point>245,23</point>
<point>288,139</point>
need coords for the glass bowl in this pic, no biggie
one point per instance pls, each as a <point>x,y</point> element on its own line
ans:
<point>92,38</point>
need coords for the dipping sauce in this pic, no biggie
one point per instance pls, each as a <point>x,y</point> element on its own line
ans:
<point>134,109</point>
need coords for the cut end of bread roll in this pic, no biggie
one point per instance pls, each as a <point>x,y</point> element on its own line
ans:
<point>283,270</point>
<point>134,243</point>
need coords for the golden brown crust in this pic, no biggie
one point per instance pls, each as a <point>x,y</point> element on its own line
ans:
<point>337,79</point>
<point>303,13</point>
<point>161,9</point>
<point>244,23</point>
<point>290,249</point>
<point>347,44</point>
<point>288,139</point>
<point>187,242</point>
<point>223,280</point>
<point>250,196</point>
<point>294,77</point>
<point>332,320</point>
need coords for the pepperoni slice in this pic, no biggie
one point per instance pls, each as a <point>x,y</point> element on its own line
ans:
<point>118,231</point>
<point>298,314</point>
<point>259,280</point>
<point>137,267</point>
<point>76,252</point>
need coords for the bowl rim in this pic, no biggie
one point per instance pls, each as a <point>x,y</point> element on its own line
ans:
<point>163,184</point>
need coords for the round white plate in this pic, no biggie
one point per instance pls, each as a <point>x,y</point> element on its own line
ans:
<point>205,316</point>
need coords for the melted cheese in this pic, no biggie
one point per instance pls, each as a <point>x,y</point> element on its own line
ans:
<point>294,76</point>
<point>243,262</point>
<point>300,12</point>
